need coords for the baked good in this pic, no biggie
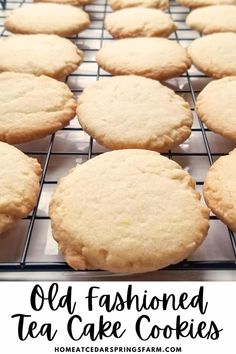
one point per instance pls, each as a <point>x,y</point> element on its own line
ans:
<point>124,112</point>
<point>210,19</point>
<point>137,211</point>
<point>122,4</point>
<point>32,107</point>
<point>220,189</point>
<point>63,20</point>
<point>19,185</point>
<point>139,22</point>
<point>156,58</point>
<point>17,195</point>
<point>39,54</point>
<point>200,3</point>
<point>70,2</point>
<point>215,54</point>
<point>216,106</point>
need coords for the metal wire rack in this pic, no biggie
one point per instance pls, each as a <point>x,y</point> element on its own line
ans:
<point>29,247</point>
<point>3,3</point>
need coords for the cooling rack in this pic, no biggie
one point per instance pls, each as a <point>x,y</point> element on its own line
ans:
<point>29,248</point>
<point>3,3</point>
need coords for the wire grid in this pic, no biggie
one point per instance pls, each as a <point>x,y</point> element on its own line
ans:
<point>3,3</point>
<point>32,233</point>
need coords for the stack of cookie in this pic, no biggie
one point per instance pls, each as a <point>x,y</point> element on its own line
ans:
<point>33,103</point>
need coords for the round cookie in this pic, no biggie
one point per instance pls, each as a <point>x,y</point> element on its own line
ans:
<point>39,54</point>
<point>68,2</point>
<point>32,107</point>
<point>63,20</point>
<point>200,3</point>
<point>122,4</point>
<point>210,19</point>
<point>19,185</point>
<point>215,54</point>
<point>220,189</point>
<point>139,212</point>
<point>156,58</point>
<point>134,112</point>
<point>216,106</point>
<point>135,22</point>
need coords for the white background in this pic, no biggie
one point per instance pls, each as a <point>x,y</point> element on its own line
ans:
<point>15,298</point>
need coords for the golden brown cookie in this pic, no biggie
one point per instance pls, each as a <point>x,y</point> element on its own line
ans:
<point>19,185</point>
<point>63,20</point>
<point>122,4</point>
<point>216,106</point>
<point>124,112</point>
<point>39,54</point>
<point>211,19</point>
<point>215,54</point>
<point>32,107</point>
<point>139,22</point>
<point>156,58</point>
<point>220,189</point>
<point>137,211</point>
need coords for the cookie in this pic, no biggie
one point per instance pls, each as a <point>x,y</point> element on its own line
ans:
<point>70,2</point>
<point>216,106</point>
<point>19,185</point>
<point>215,54</point>
<point>200,3</point>
<point>220,189</point>
<point>135,22</point>
<point>124,112</point>
<point>137,211</point>
<point>156,58</point>
<point>32,107</point>
<point>39,54</point>
<point>210,19</point>
<point>122,4</point>
<point>63,20</point>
